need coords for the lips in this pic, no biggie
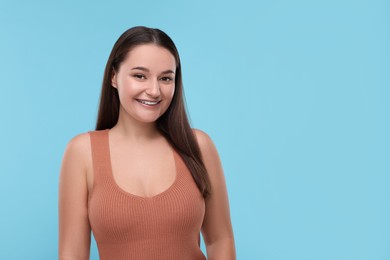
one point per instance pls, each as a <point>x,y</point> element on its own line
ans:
<point>148,102</point>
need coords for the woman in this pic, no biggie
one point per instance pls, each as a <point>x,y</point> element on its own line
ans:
<point>144,182</point>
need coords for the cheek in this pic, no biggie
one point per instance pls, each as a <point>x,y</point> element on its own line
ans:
<point>168,93</point>
<point>171,92</point>
<point>129,88</point>
<point>169,99</point>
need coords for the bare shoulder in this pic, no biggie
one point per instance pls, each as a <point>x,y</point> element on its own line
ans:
<point>78,149</point>
<point>79,144</point>
<point>207,147</point>
<point>203,138</point>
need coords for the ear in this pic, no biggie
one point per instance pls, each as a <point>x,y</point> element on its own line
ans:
<point>113,79</point>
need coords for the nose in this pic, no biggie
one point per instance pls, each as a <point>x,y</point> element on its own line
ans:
<point>153,89</point>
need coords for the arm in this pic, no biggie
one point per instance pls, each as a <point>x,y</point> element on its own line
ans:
<point>217,228</point>
<point>74,228</point>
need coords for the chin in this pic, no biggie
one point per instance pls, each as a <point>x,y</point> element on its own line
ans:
<point>148,117</point>
<point>148,120</point>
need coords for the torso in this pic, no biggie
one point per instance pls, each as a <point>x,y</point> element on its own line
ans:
<point>144,202</point>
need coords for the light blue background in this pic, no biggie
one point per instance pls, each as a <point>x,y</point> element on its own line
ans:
<point>295,94</point>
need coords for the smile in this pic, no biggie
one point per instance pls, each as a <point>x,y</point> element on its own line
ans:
<point>148,102</point>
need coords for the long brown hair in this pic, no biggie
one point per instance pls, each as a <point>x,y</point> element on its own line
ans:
<point>173,124</point>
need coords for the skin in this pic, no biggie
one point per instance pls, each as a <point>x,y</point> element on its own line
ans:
<point>148,74</point>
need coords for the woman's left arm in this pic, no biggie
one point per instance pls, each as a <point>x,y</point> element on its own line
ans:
<point>217,227</point>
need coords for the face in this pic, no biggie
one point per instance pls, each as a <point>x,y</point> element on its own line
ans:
<point>145,82</point>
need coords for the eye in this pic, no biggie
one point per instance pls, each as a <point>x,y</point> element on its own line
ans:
<point>166,79</point>
<point>139,76</point>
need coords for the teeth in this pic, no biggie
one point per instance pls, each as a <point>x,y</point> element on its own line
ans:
<point>148,102</point>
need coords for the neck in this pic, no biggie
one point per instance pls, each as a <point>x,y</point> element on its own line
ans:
<point>129,128</point>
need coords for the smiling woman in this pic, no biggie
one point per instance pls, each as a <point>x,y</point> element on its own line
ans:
<point>144,83</point>
<point>143,182</point>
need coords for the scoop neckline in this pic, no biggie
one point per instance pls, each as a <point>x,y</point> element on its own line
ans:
<point>132,195</point>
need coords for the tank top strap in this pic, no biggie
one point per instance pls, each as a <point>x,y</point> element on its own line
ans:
<point>100,153</point>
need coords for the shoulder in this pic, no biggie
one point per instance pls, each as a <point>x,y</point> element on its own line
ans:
<point>204,140</point>
<point>79,143</point>
<point>201,135</point>
<point>207,146</point>
<point>78,148</point>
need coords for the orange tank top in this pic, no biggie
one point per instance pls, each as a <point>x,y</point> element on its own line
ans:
<point>126,226</point>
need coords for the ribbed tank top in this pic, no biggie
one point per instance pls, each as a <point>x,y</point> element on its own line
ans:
<point>127,226</point>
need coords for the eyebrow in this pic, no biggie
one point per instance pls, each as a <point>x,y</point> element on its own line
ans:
<point>147,70</point>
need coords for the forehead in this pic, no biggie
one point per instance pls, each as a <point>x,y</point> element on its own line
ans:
<point>150,56</point>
